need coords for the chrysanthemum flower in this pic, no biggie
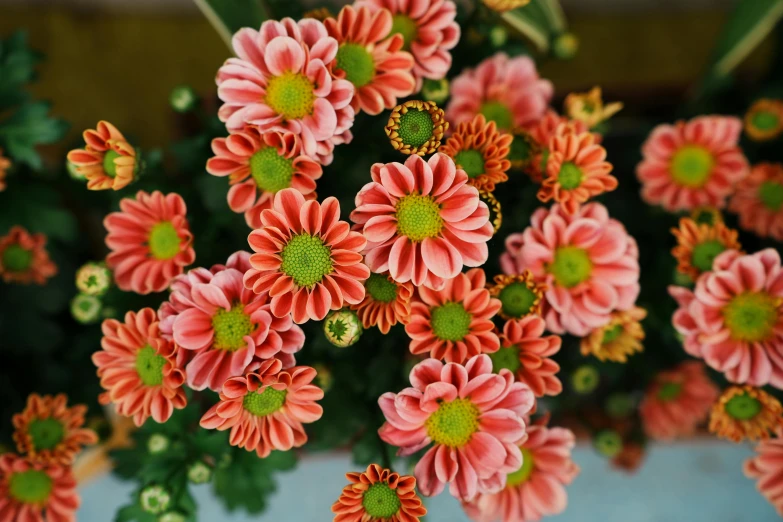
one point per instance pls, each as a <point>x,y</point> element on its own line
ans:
<point>619,339</point>
<point>511,260</point>
<point>319,13</point>
<point>588,107</point>
<point>107,161</point>
<point>525,351</point>
<point>265,410</point>
<point>24,259</point>
<point>481,151</point>
<point>576,170</point>
<point>422,221</point>
<point>428,30</point>
<point>371,57</point>
<point>519,295</point>
<point>699,245</point>
<point>475,420</point>
<point>758,201</point>
<point>766,467</point>
<point>138,369</point>
<point>386,302</point>
<point>281,81</point>
<point>260,165</point>
<point>588,262</point>
<point>454,323</point>
<point>36,491</point>
<point>5,164</point>
<point>47,430</point>
<point>536,489</point>
<point>734,318</point>
<point>691,164</point>
<point>306,258</point>
<point>677,401</point>
<point>745,412</point>
<point>416,127</point>
<point>501,6</point>
<point>537,139</point>
<point>764,120</point>
<point>379,494</point>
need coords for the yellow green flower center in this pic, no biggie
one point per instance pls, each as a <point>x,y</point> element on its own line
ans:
<point>669,391</point>
<point>517,300</point>
<point>743,407</point>
<point>585,379</point>
<point>570,176</point>
<point>358,64</point>
<point>418,217</point>
<point>31,486</point>
<point>522,474</point>
<point>498,112</point>
<point>380,501</point>
<point>149,366</point>
<point>611,334</point>
<point>290,95</point>
<point>608,443</point>
<point>507,357</point>
<point>471,161</point>
<point>231,327</point>
<point>416,127</point>
<point>451,322</point>
<point>571,266</point>
<point>108,162</point>
<point>765,120</point>
<point>751,316</point>
<point>380,288</point>
<point>46,434</point>
<point>306,260</point>
<point>264,403</point>
<point>271,171</point>
<point>704,254</point>
<point>771,195</point>
<point>453,423</point>
<point>407,27</point>
<point>692,166</point>
<point>17,259</point>
<point>164,241</point>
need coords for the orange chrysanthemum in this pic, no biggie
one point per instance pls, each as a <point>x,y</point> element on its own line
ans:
<point>764,120</point>
<point>540,134</point>
<point>23,258</point>
<point>48,431</point>
<point>699,245</point>
<point>519,294</point>
<point>617,340</point>
<point>107,161</point>
<point>481,151</point>
<point>745,412</point>
<point>576,170</point>
<point>36,491</point>
<point>5,164</point>
<point>758,201</point>
<point>386,302</point>
<point>379,494</point>
<point>589,107</point>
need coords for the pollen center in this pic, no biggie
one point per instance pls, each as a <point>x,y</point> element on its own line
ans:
<point>290,95</point>
<point>451,322</point>
<point>506,358</point>
<point>17,259</point>
<point>751,316</point>
<point>108,162</point>
<point>306,259</point>
<point>771,195</point>
<point>416,127</point>
<point>704,254</point>
<point>517,299</point>
<point>30,487</point>
<point>380,501</point>
<point>522,474</point>
<point>164,242</point>
<point>271,171</point>
<point>471,161</point>
<point>570,176</point>
<point>46,434</point>
<point>418,217</point>
<point>611,334</point>
<point>743,407</point>
<point>692,166</point>
<point>765,120</point>
<point>407,27</point>
<point>380,288</point>
<point>231,327</point>
<point>453,423</point>
<point>149,366</point>
<point>498,112</point>
<point>669,391</point>
<point>358,64</point>
<point>264,403</point>
<point>571,266</point>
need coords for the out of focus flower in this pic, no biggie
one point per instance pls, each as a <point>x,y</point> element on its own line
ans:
<point>183,98</point>
<point>154,499</point>
<point>86,309</point>
<point>706,216</point>
<point>764,120</point>
<point>36,491</point>
<point>93,279</point>
<point>24,259</point>
<point>172,516</point>
<point>619,339</point>
<point>519,295</point>
<point>107,161</point>
<point>585,379</point>
<point>158,443</point>
<point>745,412</point>
<point>379,494</point>
<point>630,457</point>
<point>199,472</point>
<point>342,328</point>
<point>589,107</point>
<point>758,201</point>
<point>501,6</point>
<point>699,245</point>
<point>565,46</point>
<point>416,127</point>
<point>319,13</point>
<point>608,443</point>
<point>766,468</point>
<point>5,164</point>
<point>386,302</point>
<point>436,91</point>
<point>481,151</point>
<point>526,352</point>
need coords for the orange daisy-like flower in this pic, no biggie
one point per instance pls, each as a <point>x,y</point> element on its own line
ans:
<point>481,151</point>
<point>758,201</point>
<point>589,107</point>
<point>5,164</point>
<point>764,120</point>
<point>538,136</point>
<point>619,339</point>
<point>386,302</point>
<point>454,323</point>
<point>520,295</point>
<point>49,431</point>
<point>23,258</point>
<point>36,491</point>
<point>576,170</point>
<point>379,494</point>
<point>107,161</point>
<point>699,245</point>
<point>745,412</point>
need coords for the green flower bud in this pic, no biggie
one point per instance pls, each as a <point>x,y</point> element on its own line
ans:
<point>436,91</point>
<point>199,472</point>
<point>608,443</point>
<point>93,279</point>
<point>172,516</point>
<point>86,309</point>
<point>183,98</point>
<point>154,499</point>
<point>565,46</point>
<point>498,35</point>
<point>585,379</point>
<point>342,328</point>
<point>158,443</point>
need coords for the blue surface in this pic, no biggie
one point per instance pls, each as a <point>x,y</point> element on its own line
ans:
<point>683,483</point>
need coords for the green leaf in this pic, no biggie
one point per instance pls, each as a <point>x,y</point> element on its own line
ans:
<point>539,21</point>
<point>133,512</point>
<point>229,16</point>
<point>28,127</point>
<point>17,67</point>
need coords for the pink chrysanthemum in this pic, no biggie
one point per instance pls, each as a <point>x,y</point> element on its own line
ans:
<point>260,165</point>
<point>473,418</point>
<point>505,90</point>
<point>677,401</point>
<point>692,164</point>
<point>758,201</point>
<point>734,317</point>
<point>767,468</point>
<point>422,221</point>
<point>266,410</point>
<point>537,488</point>
<point>428,30</point>
<point>150,241</point>
<point>281,81</point>
<point>36,492</point>
<point>371,57</point>
<point>455,323</point>
<point>138,368</point>
<point>306,258</point>
<point>587,260</point>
